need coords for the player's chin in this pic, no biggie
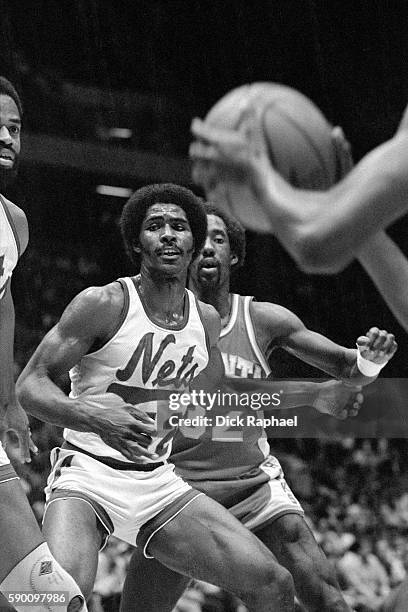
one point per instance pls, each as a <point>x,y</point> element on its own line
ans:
<point>172,266</point>
<point>209,277</point>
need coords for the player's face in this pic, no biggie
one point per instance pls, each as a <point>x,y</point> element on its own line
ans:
<point>212,266</point>
<point>10,127</point>
<point>166,240</point>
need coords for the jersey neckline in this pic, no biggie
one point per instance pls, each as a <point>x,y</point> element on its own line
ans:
<point>186,310</point>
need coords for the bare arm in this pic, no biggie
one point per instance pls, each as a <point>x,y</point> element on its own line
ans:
<point>89,318</point>
<point>325,231</point>
<point>14,426</point>
<point>322,231</point>
<point>288,331</point>
<point>20,223</point>
<point>328,397</point>
<point>7,391</point>
<point>387,266</point>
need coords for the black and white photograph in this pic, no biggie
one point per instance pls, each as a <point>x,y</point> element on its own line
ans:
<point>203,306</point>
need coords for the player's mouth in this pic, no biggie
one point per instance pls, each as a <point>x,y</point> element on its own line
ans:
<point>208,266</point>
<point>6,159</point>
<point>169,253</point>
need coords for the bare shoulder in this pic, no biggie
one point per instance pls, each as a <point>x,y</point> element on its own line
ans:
<point>273,320</point>
<point>95,311</point>
<point>211,320</point>
<point>20,223</point>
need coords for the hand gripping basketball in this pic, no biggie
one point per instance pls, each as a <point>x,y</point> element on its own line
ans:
<point>278,126</point>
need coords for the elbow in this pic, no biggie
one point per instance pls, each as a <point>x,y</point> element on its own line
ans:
<point>22,392</point>
<point>319,253</point>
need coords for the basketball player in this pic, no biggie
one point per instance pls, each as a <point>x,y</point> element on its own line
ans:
<point>26,564</point>
<point>387,266</point>
<point>244,476</point>
<point>325,231</point>
<point>136,340</point>
<point>322,231</point>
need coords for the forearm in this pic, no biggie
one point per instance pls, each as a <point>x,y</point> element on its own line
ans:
<point>324,231</point>
<point>387,266</point>
<point>291,210</point>
<point>318,239</point>
<point>40,397</point>
<point>282,394</point>
<point>7,387</point>
<point>295,394</point>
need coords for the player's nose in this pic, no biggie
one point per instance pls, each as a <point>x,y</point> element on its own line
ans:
<point>208,248</point>
<point>5,136</point>
<point>168,233</point>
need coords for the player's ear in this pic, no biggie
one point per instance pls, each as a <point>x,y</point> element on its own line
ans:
<point>137,248</point>
<point>233,259</point>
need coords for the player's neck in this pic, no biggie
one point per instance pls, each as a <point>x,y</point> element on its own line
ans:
<point>220,298</point>
<point>163,297</point>
<point>224,308</point>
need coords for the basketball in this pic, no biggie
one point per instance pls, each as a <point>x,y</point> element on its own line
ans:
<point>295,134</point>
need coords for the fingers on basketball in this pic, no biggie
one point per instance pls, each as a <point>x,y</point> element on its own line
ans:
<point>286,125</point>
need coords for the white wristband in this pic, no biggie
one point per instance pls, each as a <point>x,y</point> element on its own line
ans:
<point>368,368</point>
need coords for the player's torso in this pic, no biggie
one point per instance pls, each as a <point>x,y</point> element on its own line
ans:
<point>209,458</point>
<point>141,364</point>
<point>9,245</point>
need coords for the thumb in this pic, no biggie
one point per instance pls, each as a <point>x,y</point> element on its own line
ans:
<point>17,446</point>
<point>342,147</point>
<point>252,128</point>
<point>362,343</point>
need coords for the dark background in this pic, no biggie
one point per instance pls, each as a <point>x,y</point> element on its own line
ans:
<point>86,66</point>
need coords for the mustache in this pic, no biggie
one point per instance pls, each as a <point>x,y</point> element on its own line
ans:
<point>173,247</point>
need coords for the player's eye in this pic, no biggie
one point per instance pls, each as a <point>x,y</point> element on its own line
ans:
<point>14,129</point>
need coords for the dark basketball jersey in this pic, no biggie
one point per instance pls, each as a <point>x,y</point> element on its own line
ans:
<point>228,467</point>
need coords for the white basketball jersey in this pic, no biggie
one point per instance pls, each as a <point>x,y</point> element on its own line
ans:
<point>9,246</point>
<point>141,365</point>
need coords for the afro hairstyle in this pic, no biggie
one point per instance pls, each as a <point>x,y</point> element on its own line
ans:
<point>7,89</point>
<point>140,201</point>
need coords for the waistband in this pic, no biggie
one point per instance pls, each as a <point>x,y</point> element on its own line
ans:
<point>116,464</point>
